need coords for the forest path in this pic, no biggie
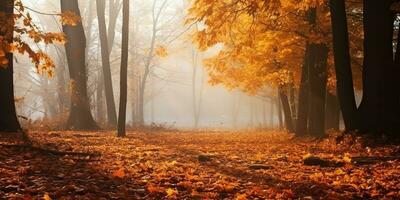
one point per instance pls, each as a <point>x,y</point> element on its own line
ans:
<point>168,165</point>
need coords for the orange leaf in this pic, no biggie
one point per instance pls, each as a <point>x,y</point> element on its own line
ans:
<point>120,173</point>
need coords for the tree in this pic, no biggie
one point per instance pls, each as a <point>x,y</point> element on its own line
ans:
<point>263,46</point>
<point>8,116</point>
<point>378,111</point>
<point>16,38</point>
<point>343,70</point>
<point>153,50</point>
<point>124,70</point>
<point>380,104</point>
<point>80,117</point>
<point>105,57</point>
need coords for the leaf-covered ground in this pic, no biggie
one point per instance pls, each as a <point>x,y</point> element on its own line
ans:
<point>187,165</point>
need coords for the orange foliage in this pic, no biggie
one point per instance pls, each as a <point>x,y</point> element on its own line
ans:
<point>25,28</point>
<point>261,43</point>
<point>166,165</point>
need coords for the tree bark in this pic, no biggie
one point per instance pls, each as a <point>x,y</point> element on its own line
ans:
<point>302,107</point>
<point>345,88</point>
<point>286,110</point>
<point>377,104</point>
<point>8,116</point>
<point>80,117</point>
<point>318,79</point>
<point>124,70</point>
<point>105,58</point>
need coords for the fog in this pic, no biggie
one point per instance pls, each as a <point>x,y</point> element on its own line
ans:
<point>169,95</point>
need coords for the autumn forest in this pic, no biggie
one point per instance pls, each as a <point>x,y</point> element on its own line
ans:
<point>199,99</point>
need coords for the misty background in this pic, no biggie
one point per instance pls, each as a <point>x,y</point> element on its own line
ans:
<point>176,86</point>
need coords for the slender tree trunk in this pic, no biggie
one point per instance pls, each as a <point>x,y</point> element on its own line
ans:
<point>8,115</point>
<point>343,65</point>
<point>105,57</point>
<point>286,110</point>
<point>124,70</point>
<point>115,8</point>
<point>80,117</point>
<point>156,17</point>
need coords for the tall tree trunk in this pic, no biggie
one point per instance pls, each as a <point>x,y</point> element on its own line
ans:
<point>286,110</point>
<point>302,107</point>
<point>311,108</point>
<point>80,117</point>
<point>124,70</point>
<point>8,116</point>
<point>318,79</point>
<point>377,104</point>
<point>105,57</point>
<point>344,76</point>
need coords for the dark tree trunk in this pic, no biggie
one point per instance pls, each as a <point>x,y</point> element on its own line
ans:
<point>344,76</point>
<point>286,110</point>
<point>8,116</point>
<point>302,107</point>
<point>311,107</point>
<point>332,115</point>
<point>80,117</point>
<point>124,70</point>
<point>318,78</point>
<point>105,57</point>
<point>377,106</point>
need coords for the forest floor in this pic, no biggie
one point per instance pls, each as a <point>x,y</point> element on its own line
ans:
<point>194,165</point>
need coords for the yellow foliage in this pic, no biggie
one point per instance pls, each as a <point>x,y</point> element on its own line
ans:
<point>18,27</point>
<point>69,18</point>
<point>263,42</point>
<point>161,51</point>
